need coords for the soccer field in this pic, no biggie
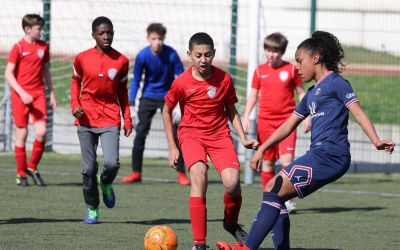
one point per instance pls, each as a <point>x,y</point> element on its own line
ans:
<point>357,212</point>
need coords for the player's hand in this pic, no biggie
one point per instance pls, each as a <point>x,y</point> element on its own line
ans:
<point>173,157</point>
<point>250,144</point>
<point>77,112</point>
<point>387,145</point>
<point>53,101</point>
<point>256,161</point>
<point>127,131</point>
<point>306,125</point>
<point>245,125</point>
<point>134,116</point>
<point>26,98</point>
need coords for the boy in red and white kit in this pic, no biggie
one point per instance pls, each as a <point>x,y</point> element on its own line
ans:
<point>207,98</point>
<point>27,71</point>
<point>274,84</point>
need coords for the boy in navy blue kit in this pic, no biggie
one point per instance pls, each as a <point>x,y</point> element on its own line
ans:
<point>160,64</point>
<point>328,104</point>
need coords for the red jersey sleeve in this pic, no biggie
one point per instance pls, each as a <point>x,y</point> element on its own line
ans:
<point>255,84</point>
<point>14,55</point>
<point>231,97</point>
<point>123,95</point>
<point>76,83</point>
<point>174,95</point>
<point>46,57</point>
<point>296,77</point>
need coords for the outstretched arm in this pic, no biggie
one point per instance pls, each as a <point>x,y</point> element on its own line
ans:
<point>234,118</point>
<point>168,127</point>
<point>49,83</point>
<point>251,102</point>
<point>369,129</point>
<point>281,133</point>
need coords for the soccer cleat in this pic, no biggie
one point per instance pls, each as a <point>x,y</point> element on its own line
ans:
<point>92,216</point>
<point>222,245</point>
<point>201,247</point>
<point>133,177</point>
<point>34,174</point>
<point>182,179</point>
<point>22,181</point>
<point>291,206</point>
<point>108,193</point>
<point>237,232</point>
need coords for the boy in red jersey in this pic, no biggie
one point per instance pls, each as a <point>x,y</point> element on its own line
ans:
<point>27,66</point>
<point>99,95</point>
<point>207,98</point>
<point>275,81</point>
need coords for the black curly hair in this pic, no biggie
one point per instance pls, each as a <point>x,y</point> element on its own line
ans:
<point>328,47</point>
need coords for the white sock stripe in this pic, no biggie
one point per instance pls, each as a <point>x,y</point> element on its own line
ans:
<point>273,204</point>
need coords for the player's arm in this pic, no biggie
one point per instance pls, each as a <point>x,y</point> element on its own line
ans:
<point>281,133</point>
<point>138,68</point>
<point>178,66</point>
<point>234,118</point>
<point>369,129</point>
<point>307,122</point>
<point>10,77</point>
<point>251,102</point>
<point>168,127</point>
<point>75,89</point>
<point>49,83</point>
<point>122,94</point>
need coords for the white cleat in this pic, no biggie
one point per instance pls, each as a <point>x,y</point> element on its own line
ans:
<point>291,206</point>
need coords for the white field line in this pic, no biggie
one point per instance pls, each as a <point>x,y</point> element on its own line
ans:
<point>326,190</point>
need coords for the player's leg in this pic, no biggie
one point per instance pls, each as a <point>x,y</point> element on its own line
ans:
<point>20,113</point>
<point>180,170</point>
<point>147,109</point>
<point>88,140</point>
<point>110,145</point>
<point>269,156</point>
<point>222,153</point>
<point>39,114</point>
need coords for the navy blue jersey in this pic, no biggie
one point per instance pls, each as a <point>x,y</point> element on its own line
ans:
<point>159,72</point>
<point>327,104</point>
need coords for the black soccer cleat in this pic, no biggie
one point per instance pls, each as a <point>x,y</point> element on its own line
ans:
<point>22,181</point>
<point>34,174</point>
<point>237,232</point>
<point>201,247</point>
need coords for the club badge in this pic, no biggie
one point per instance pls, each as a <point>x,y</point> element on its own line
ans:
<point>40,53</point>
<point>283,75</point>
<point>112,73</point>
<point>211,91</point>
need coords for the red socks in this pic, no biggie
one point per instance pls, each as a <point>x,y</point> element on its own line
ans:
<point>37,152</point>
<point>20,159</point>
<point>265,177</point>
<point>198,217</point>
<point>232,209</point>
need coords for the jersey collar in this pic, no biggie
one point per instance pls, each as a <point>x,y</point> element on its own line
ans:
<point>323,78</point>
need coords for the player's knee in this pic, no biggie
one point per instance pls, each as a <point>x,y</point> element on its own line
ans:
<point>111,165</point>
<point>276,186</point>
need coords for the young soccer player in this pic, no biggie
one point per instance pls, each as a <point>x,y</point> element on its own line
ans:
<point>99,95</point>
<point>328,103</point>
<point>27,71</point>
<point>160,64</point>
<point>207,98</point>
<point>275,81</point>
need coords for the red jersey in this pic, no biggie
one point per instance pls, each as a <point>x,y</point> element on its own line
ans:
<point>202,103</point>
<point>28,59</point>
<point>99,86</point>
<point>277,87</point>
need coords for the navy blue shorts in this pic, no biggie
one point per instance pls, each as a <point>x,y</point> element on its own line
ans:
<point>314,170</point>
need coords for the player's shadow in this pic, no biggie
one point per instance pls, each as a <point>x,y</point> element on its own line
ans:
<point>65,184</point>
<point>159,222</point>
<point>304,248</point>
<point>16,221</point>
<point>339,209</point>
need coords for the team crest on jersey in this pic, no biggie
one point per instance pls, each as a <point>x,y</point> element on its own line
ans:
<point>40,53</point>
<point>317,91</point>
<point>283,75</point>
<point>112,73</point>
<point>211,91</point>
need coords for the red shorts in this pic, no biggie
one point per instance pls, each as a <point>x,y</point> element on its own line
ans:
<point>221,152</point>
<point>265,130</point>
<point>21,111</point>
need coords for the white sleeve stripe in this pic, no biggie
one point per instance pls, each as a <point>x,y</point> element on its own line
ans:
<point>351,102</point>
<point>76,73</point>
<point>298,115</point>
<point>124,79</point>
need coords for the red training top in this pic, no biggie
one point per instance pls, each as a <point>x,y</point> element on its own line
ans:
<point>28,59</point>
<point>99,86</point>
<point>202,103</point>
<point>277,87</point>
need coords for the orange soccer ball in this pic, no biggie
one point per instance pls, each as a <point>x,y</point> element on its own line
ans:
<point>160,238</point>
